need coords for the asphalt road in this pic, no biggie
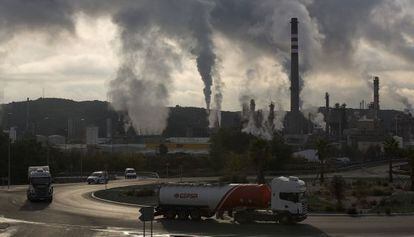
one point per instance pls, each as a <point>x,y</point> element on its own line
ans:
<point>74,213</point>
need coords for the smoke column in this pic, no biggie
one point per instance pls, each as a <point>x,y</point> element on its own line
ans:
<point>143,78</point>
<point>206,61</point>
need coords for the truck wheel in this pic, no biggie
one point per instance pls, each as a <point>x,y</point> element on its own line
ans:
<point>285,220</point>
<point>195,215</point>
<point>241,218</point>
<point>183,215</point>
<point>170,215</point>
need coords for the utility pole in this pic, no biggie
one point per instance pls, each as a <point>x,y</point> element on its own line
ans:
<point>9,158</point>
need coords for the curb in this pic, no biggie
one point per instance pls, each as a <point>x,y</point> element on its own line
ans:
<point>360,215</point>
<point>115,202</point>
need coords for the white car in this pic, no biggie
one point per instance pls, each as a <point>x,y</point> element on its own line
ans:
<point>130,173</point>
<point>98,177</point>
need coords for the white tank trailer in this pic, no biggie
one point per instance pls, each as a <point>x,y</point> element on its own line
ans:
<point>284,201</point>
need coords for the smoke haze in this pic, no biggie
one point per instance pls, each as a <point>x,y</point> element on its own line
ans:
<point>340,42</point>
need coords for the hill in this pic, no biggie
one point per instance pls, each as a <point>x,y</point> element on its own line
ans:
<point>49,116</point>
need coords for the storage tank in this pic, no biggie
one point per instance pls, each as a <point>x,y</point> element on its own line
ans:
<point>215,197</point>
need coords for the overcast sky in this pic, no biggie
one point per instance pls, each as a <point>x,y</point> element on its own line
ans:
<point>74,49</point>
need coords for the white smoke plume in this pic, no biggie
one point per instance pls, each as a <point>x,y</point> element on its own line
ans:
<point>143,78</point>
<point>326,41</point>
<point>215,112</point>
<point>317,118</point>
<point>262,123</point>
<point>394,92</point>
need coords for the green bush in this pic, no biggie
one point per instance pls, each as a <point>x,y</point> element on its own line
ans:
<point>380,192</point>
<point>233,179</point>
<point>388,211</point>
<point>352,211</point>
<point>146,192</point>
<point>329,209</point>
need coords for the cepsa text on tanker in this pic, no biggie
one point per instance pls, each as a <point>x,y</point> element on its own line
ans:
<point>186,195</point>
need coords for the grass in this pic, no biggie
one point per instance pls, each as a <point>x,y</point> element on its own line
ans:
<point>397,203</point>
<point>141,195</point>
<point>317,204</point>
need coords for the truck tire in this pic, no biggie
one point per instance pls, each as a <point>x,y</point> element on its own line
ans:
<point>195,215</point>
<point>170,215</point>
<point>241,217</point>
<point>285,219</point>
<point>183,215</point>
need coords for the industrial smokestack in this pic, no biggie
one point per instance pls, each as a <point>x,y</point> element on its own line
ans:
<point>376,94</point>
<point>252,106</point>
<point>327,113</point>
<point>271,116</point>
<point>294,66</point>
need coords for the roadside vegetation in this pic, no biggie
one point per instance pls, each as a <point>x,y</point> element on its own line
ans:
<point>360,196</point>
<point>140,195</point>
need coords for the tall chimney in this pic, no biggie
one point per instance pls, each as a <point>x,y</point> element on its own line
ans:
<point>376,93</point>
<point>294,66</point>
<point>327,113</point>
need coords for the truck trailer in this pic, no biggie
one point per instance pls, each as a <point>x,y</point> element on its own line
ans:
<point>40,184</point>
<point>283,201</point>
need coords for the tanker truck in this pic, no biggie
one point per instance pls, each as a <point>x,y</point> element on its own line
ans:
<point>284,201</point>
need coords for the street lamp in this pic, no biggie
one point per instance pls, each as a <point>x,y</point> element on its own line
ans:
<point>9,153</point>
<point>47,144</point>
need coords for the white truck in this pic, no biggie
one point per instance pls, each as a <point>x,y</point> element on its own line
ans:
<point>40,184</point>
<point>284,201</point>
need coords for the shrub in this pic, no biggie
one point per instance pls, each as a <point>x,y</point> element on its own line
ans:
<point>378,192</point>
<point>329,209</point>
<point>373,202</point>
<point>388,211</point>
<point>146,192</point>
<point>352,211</point>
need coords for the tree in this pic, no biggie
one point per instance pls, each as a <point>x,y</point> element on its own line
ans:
<point>391,150</point>
<point>280,151</point>
<point>410,156</point>
<point>227,140</point>
<point>337,188</point>
<point>163,149</point>
<point>322,148</point>
<point>259,153</point>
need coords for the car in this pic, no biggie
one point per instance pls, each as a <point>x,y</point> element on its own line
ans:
<point>130,173</point>
<point>98,177</point>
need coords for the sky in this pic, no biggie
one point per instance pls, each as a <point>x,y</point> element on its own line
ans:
<point>80,49</point>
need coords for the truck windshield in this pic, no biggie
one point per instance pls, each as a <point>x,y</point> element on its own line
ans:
<point>41,180</point>
<point>292,197</point>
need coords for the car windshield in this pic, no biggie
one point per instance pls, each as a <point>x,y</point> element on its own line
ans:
<point>40,180</point>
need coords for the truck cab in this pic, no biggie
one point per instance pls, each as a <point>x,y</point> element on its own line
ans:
<point>288,199</point>
<point>40,184</point>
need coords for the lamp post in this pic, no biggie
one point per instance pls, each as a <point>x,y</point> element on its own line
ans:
<point>9,153</point>
<point>82,152</point>
<point>47,145</point>
<point>9,158</point>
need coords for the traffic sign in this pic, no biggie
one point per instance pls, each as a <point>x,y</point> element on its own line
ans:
<point>147,214</point>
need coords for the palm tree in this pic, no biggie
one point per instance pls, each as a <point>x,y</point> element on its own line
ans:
<point>390,149</point>
<point>322,152</point>
<point>410,155</point>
